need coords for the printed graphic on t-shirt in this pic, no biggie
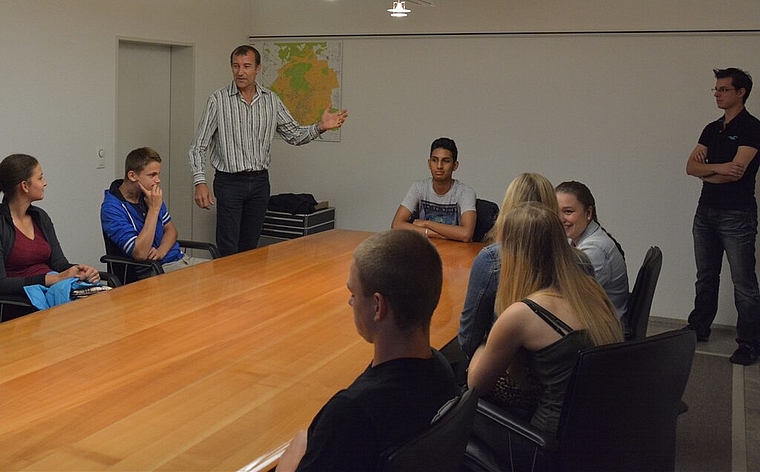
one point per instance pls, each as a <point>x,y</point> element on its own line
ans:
<point>439,212</point>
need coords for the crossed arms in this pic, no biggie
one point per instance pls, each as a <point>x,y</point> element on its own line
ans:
<point>433,229</point>
<point>698,165</point>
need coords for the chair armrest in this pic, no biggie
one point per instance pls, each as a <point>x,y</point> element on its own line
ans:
<point>110,279</point>
<point>154,266</point>
<point>23,300</point>
<point>17,300</point>
<point>9,300</point>
<point>211,248</point>
<point>503,417</point>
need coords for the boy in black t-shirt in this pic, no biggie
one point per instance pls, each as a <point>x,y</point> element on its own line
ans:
<point>395,283</point>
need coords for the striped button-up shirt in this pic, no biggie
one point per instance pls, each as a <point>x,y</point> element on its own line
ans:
<point>239,136</point>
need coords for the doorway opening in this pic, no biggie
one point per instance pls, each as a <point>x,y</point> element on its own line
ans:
<point>155,97</point>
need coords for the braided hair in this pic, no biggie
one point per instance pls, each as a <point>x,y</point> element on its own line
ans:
<point>584,196</point>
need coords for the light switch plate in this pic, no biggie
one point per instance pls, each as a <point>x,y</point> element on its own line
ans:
<point>100,158</point>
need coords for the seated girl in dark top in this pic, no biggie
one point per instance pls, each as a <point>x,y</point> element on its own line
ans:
<point>30,253</point>
<point>549,310</point>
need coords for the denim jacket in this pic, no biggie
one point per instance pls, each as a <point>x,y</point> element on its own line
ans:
<point>478,311</point>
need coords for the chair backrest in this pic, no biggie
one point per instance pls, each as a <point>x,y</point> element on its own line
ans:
<point>487,212</point>
<point>636,317</point>
<point>622,402</point>
<point>441,447</point>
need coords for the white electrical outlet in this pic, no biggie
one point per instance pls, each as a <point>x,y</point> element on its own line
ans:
<point>100,158</point>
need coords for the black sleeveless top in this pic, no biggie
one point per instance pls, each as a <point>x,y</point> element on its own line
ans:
<point>554,365</point>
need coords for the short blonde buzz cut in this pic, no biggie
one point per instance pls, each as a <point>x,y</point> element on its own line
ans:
<point>406,269</point>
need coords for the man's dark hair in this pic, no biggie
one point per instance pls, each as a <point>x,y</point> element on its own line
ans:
<point>445,143</point>
<point>739,79</point>
<point>245,49</point>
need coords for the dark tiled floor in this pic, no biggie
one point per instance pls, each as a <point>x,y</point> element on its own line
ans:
<point>746,397</point>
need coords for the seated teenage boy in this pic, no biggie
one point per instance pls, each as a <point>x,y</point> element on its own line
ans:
<point>134,215</point>
<point>439,206</point>
<point>395,283</point>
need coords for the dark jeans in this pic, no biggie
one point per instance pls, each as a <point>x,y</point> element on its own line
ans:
<point>241,204</point>
<point>731,231</point>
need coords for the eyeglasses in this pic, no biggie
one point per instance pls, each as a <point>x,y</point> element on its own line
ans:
<point>721,90</point>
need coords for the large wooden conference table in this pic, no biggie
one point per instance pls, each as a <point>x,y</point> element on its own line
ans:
<point>212,367</point>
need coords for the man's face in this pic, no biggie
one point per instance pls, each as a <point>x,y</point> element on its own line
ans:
<point>363,306</point>
<point>442,165</point>
<point>726,95</point>
<point>244,71</point>
<point>150,176</point>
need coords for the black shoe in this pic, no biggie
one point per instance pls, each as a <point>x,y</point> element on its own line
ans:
<point>702,338</point>
<point>745,354</point>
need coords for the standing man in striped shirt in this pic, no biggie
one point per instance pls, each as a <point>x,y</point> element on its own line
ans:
<point>237,128</point>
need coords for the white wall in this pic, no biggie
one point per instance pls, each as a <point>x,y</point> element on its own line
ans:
<point>58,82</point>
<point>312,17</point>
<point>618,112</point>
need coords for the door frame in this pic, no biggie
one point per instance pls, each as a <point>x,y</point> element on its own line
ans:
<point>181,131</point>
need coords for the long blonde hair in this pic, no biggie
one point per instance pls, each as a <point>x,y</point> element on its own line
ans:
<point>527,187</point>
<point>536,257</point>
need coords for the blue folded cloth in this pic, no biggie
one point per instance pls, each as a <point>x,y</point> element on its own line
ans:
<point>57,294</point>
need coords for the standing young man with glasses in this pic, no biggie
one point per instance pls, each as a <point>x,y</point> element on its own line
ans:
<point>726,218</point>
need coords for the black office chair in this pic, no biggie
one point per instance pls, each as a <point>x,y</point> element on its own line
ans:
<point>19,305</point>
<point>636,317</point>
<point>441,447</point>
<point>487,212</point>
<point>128,270</point>
<point>619,412</point>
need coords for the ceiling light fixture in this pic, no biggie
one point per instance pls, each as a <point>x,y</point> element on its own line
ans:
<point>399,10</point>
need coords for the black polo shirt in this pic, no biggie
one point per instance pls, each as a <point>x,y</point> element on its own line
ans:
<point>722,144</point>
